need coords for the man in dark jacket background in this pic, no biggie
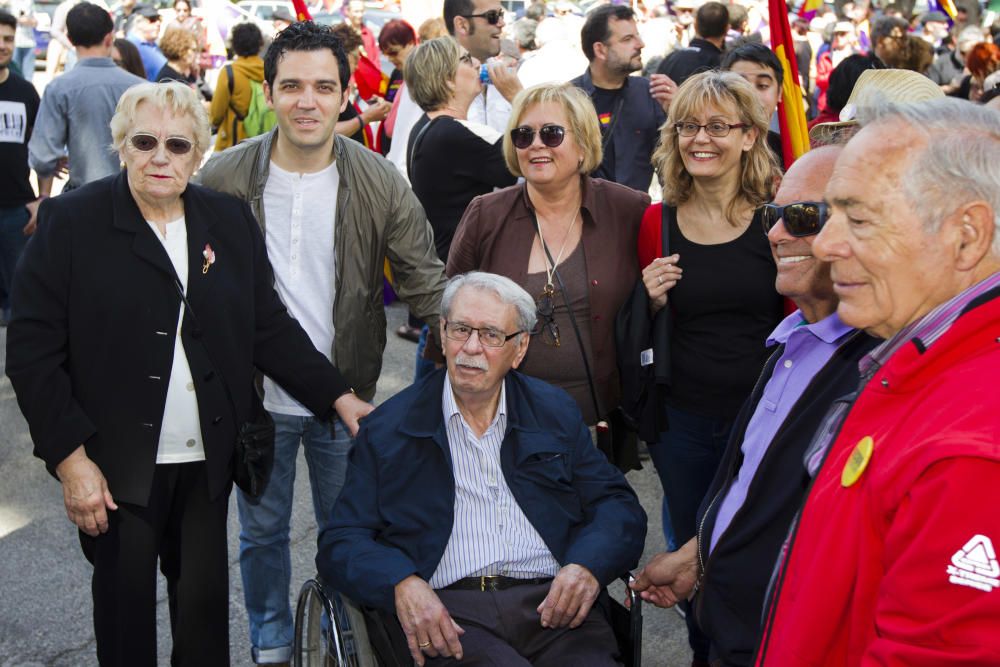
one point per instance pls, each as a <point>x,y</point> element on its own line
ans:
<point>711,24</point>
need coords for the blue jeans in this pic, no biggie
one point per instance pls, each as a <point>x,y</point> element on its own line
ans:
<point>423,367</point>
<point>265,554</point>
<point>12,242</point>
<point>24,56</point>
<point>686,458</point>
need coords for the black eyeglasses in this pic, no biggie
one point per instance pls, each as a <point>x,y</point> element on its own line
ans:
<point>546,326</point>
<point>146,143</point>
<point>488,336</point>
<point>716,129</point>
<point>492,16</point>
<point>802,218</point>
<point>524,136</point>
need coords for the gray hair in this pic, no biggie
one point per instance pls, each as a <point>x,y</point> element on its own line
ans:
<point>958,162</point>
<point>173,96</point>
<point>509,292</point>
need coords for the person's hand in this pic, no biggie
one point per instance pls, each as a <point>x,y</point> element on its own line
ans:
<point>505,80</point>
<point>32,207</point>
<point>570,597</point>
<point>662,89</point>
<point>62,167</point>
<point>85,492</point>
<point>351,409</point>
<point>659,278</point>
<point>669,577</point>
<point>429,628</point>
<point>378,109</point>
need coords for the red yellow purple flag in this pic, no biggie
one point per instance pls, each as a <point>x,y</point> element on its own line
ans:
<point>809,8</point>
<point>301,12</point>
<point>791,112</point>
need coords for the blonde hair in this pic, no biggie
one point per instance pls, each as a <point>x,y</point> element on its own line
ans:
<point>758,167</point>
<point>580,112</point>
<point>172,96</point>
<point>429,72</point>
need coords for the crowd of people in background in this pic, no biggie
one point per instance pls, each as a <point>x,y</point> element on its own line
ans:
<point>594,196</point>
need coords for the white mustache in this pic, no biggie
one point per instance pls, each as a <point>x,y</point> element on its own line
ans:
<point>471,362</point>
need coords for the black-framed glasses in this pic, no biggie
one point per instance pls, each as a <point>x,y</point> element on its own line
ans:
<point>715,129</point>
<point>802,218</point>
<point>551,135</point>
<point>488,336</point>
<point>546,326</point>
<point>146,143</point>
<point>492,16</point>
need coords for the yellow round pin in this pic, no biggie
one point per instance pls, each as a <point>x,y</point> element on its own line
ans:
<point>858,461</point>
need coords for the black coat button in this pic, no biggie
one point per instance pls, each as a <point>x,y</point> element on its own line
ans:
<point>216,421</point>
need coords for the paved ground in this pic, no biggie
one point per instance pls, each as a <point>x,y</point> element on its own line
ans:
<point>45,611</point>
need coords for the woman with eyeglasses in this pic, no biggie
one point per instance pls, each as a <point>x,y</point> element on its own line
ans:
<point>567,238</point>
<point>717,281</point>
<point>450,160</point>
<point>141,306</point>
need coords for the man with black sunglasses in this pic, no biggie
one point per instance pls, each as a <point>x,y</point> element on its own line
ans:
<point>477,25</point>
<point>761,481</point>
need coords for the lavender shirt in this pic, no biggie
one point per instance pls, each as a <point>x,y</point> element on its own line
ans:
<point>808,347</point>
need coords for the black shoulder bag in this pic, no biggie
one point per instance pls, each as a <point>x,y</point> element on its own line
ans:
<point>254,455</point>
<point>614,439</point>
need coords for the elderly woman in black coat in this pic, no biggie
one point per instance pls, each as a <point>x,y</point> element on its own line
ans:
<point>140,309</point>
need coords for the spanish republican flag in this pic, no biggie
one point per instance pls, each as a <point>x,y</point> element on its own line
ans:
<point>301,12</point>
<point>791,113</point>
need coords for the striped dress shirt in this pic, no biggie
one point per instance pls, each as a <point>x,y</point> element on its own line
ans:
<point>490,534</point>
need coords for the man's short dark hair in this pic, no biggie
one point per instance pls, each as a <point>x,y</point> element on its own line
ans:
<point>738,16</point>
<point>845,75</point>
<point>8,19</point>
<point>88,25</point>
<point>305,36</point>
<point>883,27</point>
<point>712,20</point>
<point>453,8</point>
<point>754,53</point>
<point>247,39</point>
<point>597,26</point>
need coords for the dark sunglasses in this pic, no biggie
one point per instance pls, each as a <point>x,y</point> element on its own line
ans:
<point>146,143</point>
<point>492,17</point>
<point>803,218</point>
<point>524,136</point>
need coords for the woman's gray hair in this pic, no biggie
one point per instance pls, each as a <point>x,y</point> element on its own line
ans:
<point>173,96</point>
<point>959,162</point>
<point>509,292</point>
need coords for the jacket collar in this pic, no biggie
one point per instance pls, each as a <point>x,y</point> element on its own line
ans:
<point>588,199</point>
<point>586,82</point>
<point>263,165</point>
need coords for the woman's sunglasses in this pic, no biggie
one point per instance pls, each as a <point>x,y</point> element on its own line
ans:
<point>146,143</point>
<point>524,136</point>
<point>803,218</point>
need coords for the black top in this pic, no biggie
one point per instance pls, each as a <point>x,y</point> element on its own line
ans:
<point>606,101</point>
<point>700,56</point>
<point>347,114</point>
<point>18,107</point>
<point>724,309</point>
<point>449,167</point>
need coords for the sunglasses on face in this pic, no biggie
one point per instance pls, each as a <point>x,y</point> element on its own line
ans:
<point>803,218</point>
<point>492,17</point>
<point>146,143</point>
<point>551,135</point>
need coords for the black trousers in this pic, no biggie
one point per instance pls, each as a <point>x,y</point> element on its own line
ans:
<point>186,531</point>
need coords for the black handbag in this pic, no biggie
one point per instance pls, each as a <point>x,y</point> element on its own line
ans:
<point>253,458</point>
<point>618,442</point>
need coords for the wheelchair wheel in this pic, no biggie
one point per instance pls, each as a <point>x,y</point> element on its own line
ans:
<point>329,631</point>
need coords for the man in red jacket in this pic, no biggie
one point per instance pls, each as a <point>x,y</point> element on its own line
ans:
<point>892,560</point>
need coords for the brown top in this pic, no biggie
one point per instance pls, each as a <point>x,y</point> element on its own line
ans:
<point>497,232</point>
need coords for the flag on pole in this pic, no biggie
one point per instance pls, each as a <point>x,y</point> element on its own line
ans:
<point>301,12</point>
<point>946,6</point>
<point>791,112</point>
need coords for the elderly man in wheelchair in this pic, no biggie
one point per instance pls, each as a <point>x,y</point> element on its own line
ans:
<point>477,515</point>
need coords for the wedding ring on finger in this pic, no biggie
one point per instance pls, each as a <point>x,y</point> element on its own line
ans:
<point>424,645</point>
<point>659,279</point>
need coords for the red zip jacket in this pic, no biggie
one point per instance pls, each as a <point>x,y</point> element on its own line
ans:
<point>869,577</point>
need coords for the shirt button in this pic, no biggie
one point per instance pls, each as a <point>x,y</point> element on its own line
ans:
<point>191,443</point>
<point>189,386</point>
<point>788,363</point>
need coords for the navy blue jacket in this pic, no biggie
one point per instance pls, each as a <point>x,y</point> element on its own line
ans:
<point>635,134</point>
<point>396,511</point>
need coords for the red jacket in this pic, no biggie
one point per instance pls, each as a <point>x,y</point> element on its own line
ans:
<point>869,576</point>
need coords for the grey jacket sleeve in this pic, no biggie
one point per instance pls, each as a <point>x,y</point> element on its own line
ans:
<point>48,138</point>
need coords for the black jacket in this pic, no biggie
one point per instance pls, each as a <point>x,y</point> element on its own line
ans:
<point>95,305</point>
<point>700,56</point>
<point>736,575</point>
